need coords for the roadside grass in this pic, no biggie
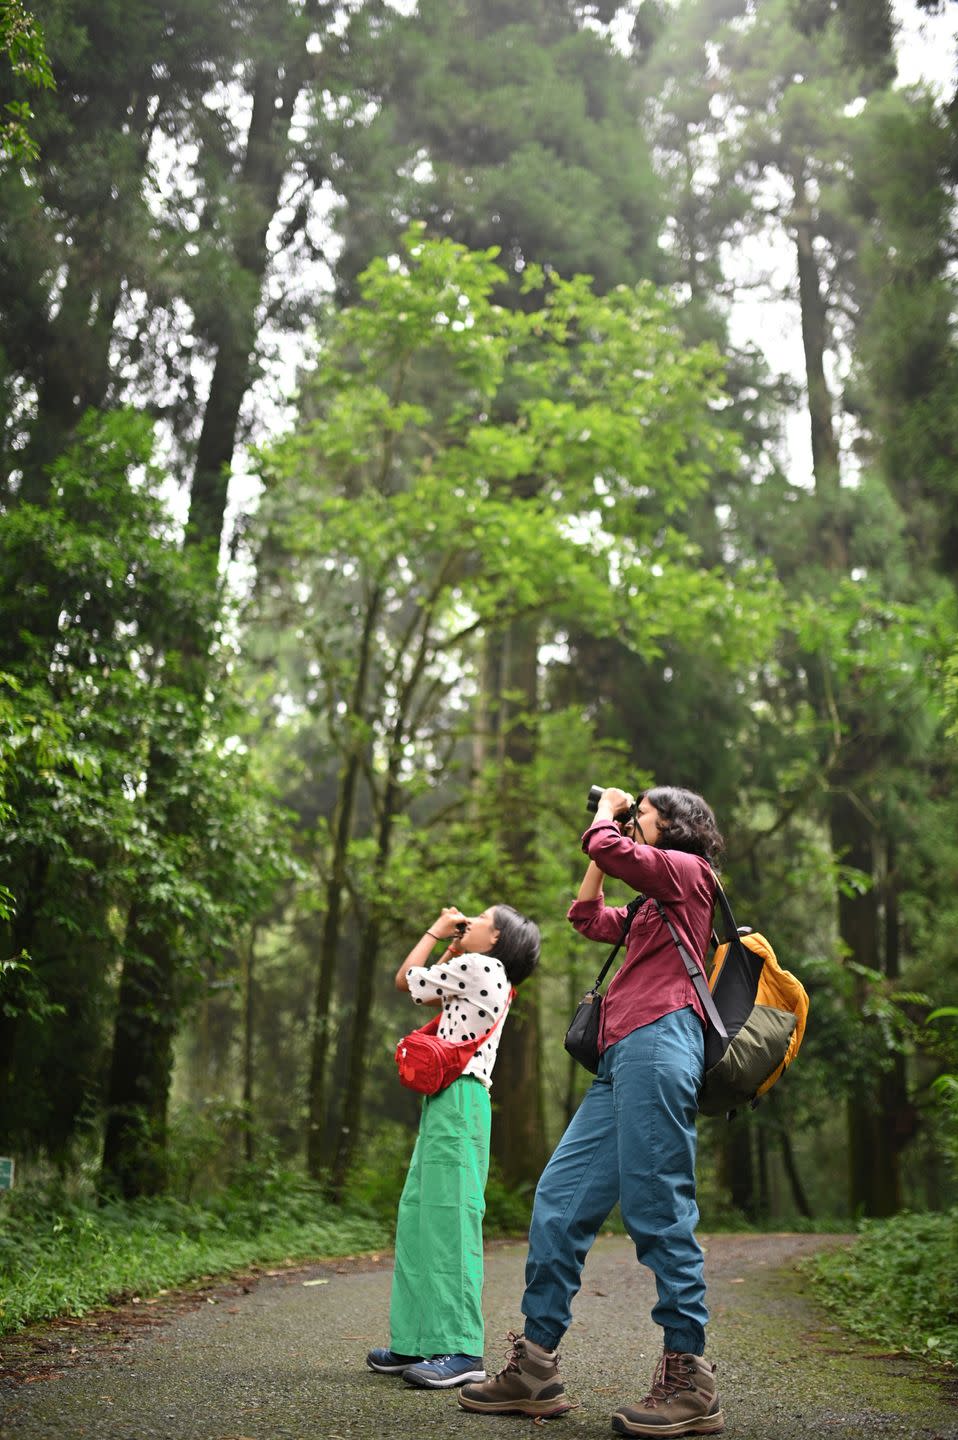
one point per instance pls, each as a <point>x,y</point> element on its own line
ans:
<point>64,1254</point>
<point>63,1251</point>
<point>897,1284</point>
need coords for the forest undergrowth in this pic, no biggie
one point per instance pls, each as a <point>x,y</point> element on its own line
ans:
<point>65,1251</point>
<point>898,1284</point>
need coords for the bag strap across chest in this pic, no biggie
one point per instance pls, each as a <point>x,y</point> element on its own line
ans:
<point>431,1027</point>
<point>630,913</point>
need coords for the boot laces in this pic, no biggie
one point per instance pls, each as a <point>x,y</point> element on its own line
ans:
<point>514,1353</point>
<point>670,1377</point>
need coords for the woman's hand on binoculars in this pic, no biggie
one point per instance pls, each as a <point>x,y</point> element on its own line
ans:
<point>611,803</point>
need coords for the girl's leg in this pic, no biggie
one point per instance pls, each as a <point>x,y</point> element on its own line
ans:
<point>656,1074</point>
<point>575,1194</point>
<point>404,1297</point>
<point>436,1306</point>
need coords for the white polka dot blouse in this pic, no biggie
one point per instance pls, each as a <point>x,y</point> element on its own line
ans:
<point>473,989</point>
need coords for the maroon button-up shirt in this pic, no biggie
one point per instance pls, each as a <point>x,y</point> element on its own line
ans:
<point>652,980</point>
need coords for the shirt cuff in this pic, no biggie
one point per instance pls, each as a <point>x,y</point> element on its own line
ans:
<point>580,909</point>
<point>595,824</point>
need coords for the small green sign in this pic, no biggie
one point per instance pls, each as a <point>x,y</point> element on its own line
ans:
<point>6,1172</point>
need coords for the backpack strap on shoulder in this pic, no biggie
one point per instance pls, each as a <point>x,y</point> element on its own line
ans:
<point>731,929</point>
<point>696,976</point>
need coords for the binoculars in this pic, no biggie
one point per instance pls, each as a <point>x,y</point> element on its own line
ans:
<point>592,804</point>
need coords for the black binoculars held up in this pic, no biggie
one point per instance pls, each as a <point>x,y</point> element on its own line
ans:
<point>592,804</point>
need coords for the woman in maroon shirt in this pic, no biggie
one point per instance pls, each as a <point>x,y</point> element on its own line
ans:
<point>632,1140</point>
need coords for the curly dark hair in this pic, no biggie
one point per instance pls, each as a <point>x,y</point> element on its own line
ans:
<point>517,944</point>
<point>688,822</point>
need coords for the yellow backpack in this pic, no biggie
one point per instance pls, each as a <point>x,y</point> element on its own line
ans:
<point>777,989</point>
<point>756,1013</point>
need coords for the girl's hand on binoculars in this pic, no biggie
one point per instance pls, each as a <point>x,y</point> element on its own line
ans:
<point>446,925</point>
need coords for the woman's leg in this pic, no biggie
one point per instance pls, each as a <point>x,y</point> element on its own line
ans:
<point>575,1194</point>
<point>656,1074</point>
<point>436,1305</point>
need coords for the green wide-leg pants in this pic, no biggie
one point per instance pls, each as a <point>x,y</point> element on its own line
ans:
<point>436,1304</point>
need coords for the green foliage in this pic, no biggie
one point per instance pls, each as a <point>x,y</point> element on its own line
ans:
<point>22,44</point>
<point>595,463</point>
<point>62,1254</point>
<point>897,1285</point>
<point>23,995</point>
<point>96,249</point>
<point>508,1210</point>
<point>944,1045</point>
<point>510,126</point>
<point>93,583</point>
<point>399,513</point>
<point>950,686</point>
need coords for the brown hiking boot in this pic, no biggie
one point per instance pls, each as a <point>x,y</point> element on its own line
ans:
<point>529,1385</point>
<point>683,1401</point>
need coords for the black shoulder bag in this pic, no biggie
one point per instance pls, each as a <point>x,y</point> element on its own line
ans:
<point>582,1036</point>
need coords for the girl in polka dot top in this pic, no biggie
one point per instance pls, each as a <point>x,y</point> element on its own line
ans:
<point>435,1315</point>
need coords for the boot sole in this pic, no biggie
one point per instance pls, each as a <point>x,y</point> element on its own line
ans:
<point>707,1425</point>
<point>543,1408</point>
<point>471,1377</point>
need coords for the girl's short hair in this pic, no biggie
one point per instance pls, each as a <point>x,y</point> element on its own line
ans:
<point>517,944</point>
<point>689,822</point>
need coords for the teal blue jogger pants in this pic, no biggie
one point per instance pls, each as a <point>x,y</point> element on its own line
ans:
<point>632,1140</point>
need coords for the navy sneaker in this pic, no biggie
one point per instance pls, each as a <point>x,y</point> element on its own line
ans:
<point>387,1362</point>
<point>443,1372</point>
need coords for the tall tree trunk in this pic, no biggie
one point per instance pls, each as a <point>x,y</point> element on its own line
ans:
<point>147,1014</point>
<point>874,1184</point>
<point>814,316</point>
<point>900,1113</point>
<point>75,369</point>
<point>249,1017</point>
<point>764,1188</point>
<point>21,930</point>
<point>70,358</point>
<point>485,738</point>
<point>326,973</point>
<point>790,1167</point>
<point>347,1141</point>
<point>275,92</point>
<point>518,1135</point>
<point>873,1174</point>
<point>737,1167</point>
<point>335,891</point>
<point>149,997</point>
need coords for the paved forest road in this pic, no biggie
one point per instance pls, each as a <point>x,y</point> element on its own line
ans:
<point>286,1360</point>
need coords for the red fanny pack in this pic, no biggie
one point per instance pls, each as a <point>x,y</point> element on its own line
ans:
<point>428,1064</point>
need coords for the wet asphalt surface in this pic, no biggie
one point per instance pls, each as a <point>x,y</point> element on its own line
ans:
<point>285,1361</point>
